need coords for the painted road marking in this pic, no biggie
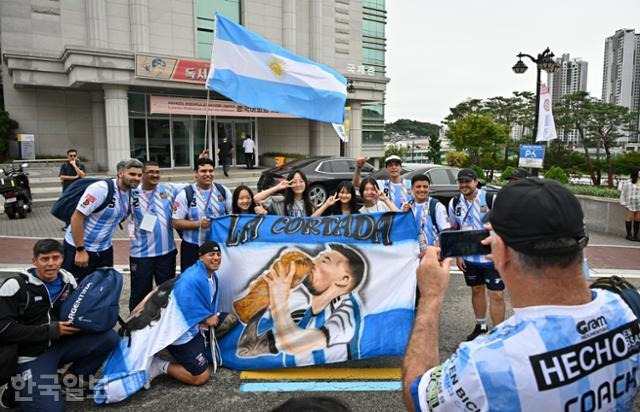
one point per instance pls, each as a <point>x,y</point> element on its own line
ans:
<point>323,373</point>
<point>352,386</point>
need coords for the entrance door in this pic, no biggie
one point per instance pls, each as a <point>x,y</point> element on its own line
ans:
<point>181,143</point>
<point>234,131</point>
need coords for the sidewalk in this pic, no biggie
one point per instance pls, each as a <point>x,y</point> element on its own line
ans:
<point>606,254</point>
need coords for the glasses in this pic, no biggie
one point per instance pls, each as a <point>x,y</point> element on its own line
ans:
<point>73,155</point>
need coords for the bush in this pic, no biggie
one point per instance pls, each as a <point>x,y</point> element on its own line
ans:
<point>506,173</point>
<point>597,191</point>
<point>558,174</point>
<point>479,172</point>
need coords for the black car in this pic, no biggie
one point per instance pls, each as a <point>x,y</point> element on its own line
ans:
<point>324,174</point>
<point>444,185</point>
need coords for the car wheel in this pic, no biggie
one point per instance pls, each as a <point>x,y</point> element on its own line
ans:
<point>318,195</point>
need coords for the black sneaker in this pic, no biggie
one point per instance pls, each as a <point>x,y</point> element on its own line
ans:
<point>477,331</point>
<point>7,397</point>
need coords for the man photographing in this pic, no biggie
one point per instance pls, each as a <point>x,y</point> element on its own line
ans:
<point>565,348</point>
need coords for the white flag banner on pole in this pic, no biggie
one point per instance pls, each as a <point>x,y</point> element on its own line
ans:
<point>546,125</point>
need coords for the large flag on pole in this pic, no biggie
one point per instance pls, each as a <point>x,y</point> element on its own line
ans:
<point>252,71</point>
<point>546,125</point>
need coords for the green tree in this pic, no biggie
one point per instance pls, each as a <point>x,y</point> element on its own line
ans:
<point>558,174</point>
<point>476,133</point>
<point>395,149</point>
<point>457,159</point>
<point>8,128</point>
<point>416,127</point>
<point>434,149</point>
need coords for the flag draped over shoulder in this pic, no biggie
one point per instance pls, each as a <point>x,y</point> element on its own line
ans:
<point>316,290</point>
<point>252,71</point>
<point>164,315</point>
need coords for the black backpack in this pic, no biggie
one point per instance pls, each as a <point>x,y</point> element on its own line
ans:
<point>66,205</point>
<point>190,194</point>
<point>626,290</point>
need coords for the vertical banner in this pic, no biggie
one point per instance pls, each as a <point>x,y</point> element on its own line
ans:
<point>316,290</point>
<point>546,125</point>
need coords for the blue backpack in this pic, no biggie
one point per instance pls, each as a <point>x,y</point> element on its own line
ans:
<point>95,305</point>
<point>65,206</point>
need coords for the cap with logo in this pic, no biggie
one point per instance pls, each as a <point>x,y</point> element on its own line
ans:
<point>467,173</point>
<point>392,158</point>
<point>208,247</point>
<point>518,173</point>
<point>530,211</point>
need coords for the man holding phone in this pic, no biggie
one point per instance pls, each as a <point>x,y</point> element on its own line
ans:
<point>467,212</point>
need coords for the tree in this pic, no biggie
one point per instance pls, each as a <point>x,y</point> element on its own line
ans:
<point>476,133</point>
<point>395,149</point>
<point>457,159</point>
<point>510,112</point>
<point>434,149</point>
<point>607,122</point>
<point>8,128</point>
<point>412,126</point>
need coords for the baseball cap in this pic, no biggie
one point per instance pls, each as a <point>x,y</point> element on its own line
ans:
<point>392,158</point>
<point>519,173</point>
<point>208,247</point>
<point>532,210</point>
<point>467,174</point>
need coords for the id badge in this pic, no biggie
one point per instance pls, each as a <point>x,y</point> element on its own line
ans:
<point>148,222</point>
<point>131,228</point>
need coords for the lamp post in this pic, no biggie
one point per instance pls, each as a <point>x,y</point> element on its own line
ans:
<point>544,61</point>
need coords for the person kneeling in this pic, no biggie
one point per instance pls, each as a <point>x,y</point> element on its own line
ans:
<point>29,319</point>
<point>191,351</point>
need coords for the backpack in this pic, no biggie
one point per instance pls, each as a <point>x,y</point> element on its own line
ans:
<point>66,205</point>
<point>95,305</point>
<point>433,202</point>
<point>190,194</point>
<point>626,290</point>
<point>489,197</point>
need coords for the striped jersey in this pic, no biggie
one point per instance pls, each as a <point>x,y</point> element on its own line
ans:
<point>468,215</point>
<point>159,204</point>
<point>424,222</point>
<point>543,358</point>
<point>398,193</point>
<point>99,226</point>
<point>209,203</point>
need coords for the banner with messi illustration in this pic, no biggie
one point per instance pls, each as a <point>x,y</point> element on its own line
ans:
<point>310,291</point>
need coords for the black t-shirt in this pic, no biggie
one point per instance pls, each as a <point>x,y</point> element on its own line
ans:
<point>67,170</point>
<point>225,151</point>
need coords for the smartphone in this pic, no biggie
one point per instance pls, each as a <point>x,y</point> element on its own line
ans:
<point>457,243</point>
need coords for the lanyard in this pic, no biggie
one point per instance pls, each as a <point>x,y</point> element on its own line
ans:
<point>469,208</point>
<point>208,202</point>
<point>150,199</point>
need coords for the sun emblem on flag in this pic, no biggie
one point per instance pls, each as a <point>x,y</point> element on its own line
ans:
<point>277,66</point>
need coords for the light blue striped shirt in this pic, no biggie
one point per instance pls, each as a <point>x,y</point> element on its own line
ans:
<point>99,226</point>
<point>421,212</point>
<point>468,216</point>
<point>216,205</point>
<point>398,193</point>
<point>158,203</point>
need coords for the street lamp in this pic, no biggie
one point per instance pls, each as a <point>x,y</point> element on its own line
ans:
<point>544,61</point>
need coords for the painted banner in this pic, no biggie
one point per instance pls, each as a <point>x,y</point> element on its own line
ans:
<point>172,68</point>
<point>316,290</point>
<point>193,106</point>
<point>546,125</point>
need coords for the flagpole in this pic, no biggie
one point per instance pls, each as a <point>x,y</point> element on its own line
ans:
<point>206,123</point>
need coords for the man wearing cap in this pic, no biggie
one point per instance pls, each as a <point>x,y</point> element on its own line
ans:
<point>397,189</point>
<point>517,174</point>
<point>466,212</point>
<point>190,351</point>
<point>565,348</point>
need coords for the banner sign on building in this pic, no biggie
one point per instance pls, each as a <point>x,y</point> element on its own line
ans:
<point>546,125</point>
<point>315,290</point>
<point>531,155</point>
<point>171,69</point>
<point>193,106</point>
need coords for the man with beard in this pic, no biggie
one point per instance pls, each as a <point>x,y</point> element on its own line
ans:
<point>88,241</point>
<point>316,323</point>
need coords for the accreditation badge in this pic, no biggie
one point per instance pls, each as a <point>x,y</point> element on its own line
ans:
<point>484,209</point>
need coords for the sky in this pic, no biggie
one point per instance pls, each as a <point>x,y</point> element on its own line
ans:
<point>440,53</point>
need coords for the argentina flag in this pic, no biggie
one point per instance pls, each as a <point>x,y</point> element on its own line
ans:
<point>254,72</point>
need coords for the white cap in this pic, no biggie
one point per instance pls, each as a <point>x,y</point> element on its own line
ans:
<point>392,158</point>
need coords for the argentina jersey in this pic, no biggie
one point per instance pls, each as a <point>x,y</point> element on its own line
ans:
<point>468,216</point>
<point>544,358</point>
<point>424,222</point>
<point>99,226</point>
<point>398,193</point>
<point>206,203</point>
<point>157,203</point>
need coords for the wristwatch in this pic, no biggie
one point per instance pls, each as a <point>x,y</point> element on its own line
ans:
<point>80,249</point>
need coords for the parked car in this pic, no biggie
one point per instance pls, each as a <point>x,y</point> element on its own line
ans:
<point>324,174</point>
<point>444,185</point>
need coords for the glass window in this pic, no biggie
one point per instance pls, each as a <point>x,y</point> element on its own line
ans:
<point>439,176</point>
<point>205,10</point>
<point>373,112</point>
<point>160,142</point>
<point>136,104</point>
<point>341,166</point>
<point>325,167</point>
<point>372,137</point>
<point>138,138</point>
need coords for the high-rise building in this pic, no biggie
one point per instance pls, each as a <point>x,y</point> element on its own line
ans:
<point>123,78</point>
<point>621,77</point>
<point>570,78</point>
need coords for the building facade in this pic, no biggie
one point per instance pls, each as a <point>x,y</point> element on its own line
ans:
<point>570,78</point>
<point>621,76</point>
<point>125,78</point>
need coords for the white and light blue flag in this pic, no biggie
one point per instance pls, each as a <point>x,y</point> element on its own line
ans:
<point>254,72</point>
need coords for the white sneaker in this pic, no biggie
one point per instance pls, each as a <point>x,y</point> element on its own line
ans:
<point>155,369</point>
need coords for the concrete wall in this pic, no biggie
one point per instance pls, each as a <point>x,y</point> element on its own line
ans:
<point>283,135</point>
<point>603,215</point>
<point>171,27</point>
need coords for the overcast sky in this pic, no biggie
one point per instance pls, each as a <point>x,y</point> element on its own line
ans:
<point>440,53</point>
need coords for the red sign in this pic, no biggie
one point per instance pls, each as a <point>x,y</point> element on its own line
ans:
<point>192,71</point>
<point>171,69</point>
